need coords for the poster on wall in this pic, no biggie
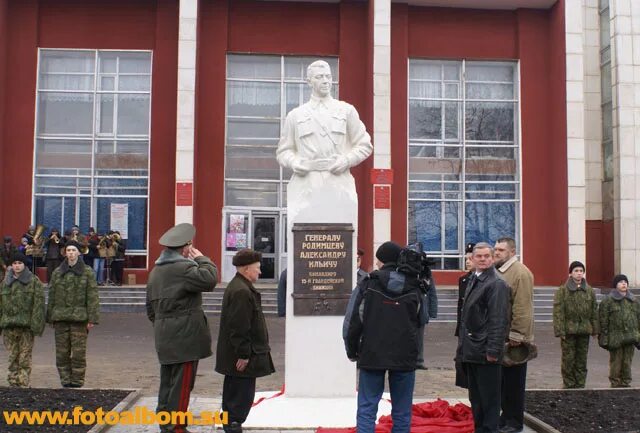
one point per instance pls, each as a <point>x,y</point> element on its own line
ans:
<point>231,240</point>
<point>241,240</point>
<point>236,223</point>
<point>120,219</point>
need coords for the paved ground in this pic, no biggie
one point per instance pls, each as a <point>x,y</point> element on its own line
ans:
<point>121,355</point>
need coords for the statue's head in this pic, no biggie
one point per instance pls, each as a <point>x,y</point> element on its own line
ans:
<point>319,78</point>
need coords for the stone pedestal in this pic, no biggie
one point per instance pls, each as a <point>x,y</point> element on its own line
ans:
<point>315,357</point>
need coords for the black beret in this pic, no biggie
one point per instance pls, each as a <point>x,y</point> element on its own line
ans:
<point>19,257</point>
<point>72,243</point>
<point>469,247</point>
<point>246,257</point>
<point>576,264</point>
<point>618,278</point>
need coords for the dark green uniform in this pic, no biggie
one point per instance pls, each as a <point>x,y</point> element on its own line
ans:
<point>181,330</point>
<point>620,331</point>
<point>21,317</point>
<point>575,318</point>
<point>73,303</point>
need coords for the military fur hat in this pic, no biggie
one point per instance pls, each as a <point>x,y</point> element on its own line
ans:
<point>576,264</point>
<point>516,355</point>
<point>72,243</point>
<point>178,236</point>
<point>618,278</point>
<point>18,257</point>
<point>246,257</point>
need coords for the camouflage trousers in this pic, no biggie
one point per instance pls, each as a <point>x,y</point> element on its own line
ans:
<point>71,352</point>
<point>19,344</point>
<point>620,366</point>
<point>574,360</point>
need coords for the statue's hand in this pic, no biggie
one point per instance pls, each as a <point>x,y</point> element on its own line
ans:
<point>299,168</point>
<point>339,165</point>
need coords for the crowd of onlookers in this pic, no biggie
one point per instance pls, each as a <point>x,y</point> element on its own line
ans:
<point>104,253</point>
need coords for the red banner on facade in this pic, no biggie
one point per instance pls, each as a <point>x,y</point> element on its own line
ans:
<point>382,197</point>
<point>184,194</point>
<point>382,176</point>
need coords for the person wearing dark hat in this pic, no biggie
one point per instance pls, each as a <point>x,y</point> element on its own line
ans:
<point>243,353</point>
<point>73,308</point>
<point>461,378</point>
<point>619,316</point>
<point>52,257</point>
<point>379,348</point>
<point>180,326</point>
<point>514,377</point>
<point>7,251</point>
<point>119,245</point>
<point>361,274</point>
<point>575,318</point>
<point>484,326</point>
<point>21,317</point>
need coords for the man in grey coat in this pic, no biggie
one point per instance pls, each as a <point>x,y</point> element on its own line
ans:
<point>174,306</point>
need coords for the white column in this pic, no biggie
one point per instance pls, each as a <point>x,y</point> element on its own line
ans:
<point>575,129</point>
<point>381,109</point>
<point>187,42</point>
<point>625,77</point>
<point>592,112</point>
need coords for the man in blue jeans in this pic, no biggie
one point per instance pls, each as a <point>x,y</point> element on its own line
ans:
<point>382,335</point>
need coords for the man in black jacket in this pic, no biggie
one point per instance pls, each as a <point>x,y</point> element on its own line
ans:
<point>243,351</point>
<point>382,335</point>
<point>483,328</point>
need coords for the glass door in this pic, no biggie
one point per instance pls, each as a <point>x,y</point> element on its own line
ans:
<point>265,240</point>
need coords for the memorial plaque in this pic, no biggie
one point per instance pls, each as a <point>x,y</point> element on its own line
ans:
<point>323,269</point>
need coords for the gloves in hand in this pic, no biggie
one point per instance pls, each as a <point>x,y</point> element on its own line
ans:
<point>339,165</point>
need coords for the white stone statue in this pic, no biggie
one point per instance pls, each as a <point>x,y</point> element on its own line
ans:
<point>321,140</point>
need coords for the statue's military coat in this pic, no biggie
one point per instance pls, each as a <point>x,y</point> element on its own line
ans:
<point>174,305</point>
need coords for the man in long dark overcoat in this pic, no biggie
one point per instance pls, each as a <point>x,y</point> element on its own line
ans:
<point>243,352</point>
<point>174,306</point>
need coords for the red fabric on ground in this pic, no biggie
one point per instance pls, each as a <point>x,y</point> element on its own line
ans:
<point>429,417</point>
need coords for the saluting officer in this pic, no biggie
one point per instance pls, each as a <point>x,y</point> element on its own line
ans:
<point>174,306</point>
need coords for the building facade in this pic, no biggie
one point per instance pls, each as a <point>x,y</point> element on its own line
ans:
<point>489,118</point>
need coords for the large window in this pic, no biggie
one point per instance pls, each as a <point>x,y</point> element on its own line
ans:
<point>464,156</point>
<point>261,90</point>
<point>92,142</point>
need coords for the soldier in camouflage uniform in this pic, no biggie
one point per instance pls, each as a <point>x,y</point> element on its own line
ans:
<point>575,317</point>
<point>620,330</point>
<point>21,317</point>
<point>73,309</point>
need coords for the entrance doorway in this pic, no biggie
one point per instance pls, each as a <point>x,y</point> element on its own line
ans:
<point>261,230</point>
<point>265,242</point>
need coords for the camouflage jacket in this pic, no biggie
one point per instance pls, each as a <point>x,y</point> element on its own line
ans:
<point>575,310</point>
<point>73,294</point>
<point>619,320</point>
<point>22,302</point>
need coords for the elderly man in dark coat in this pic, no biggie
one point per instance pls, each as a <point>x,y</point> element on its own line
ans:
<point>484,324</point>
<point>174,306</point>
<point>243,352</point>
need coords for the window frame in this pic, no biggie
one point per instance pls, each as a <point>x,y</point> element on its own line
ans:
<point>95,138</point>
<point>463,144</point>
<point>283,81</point>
